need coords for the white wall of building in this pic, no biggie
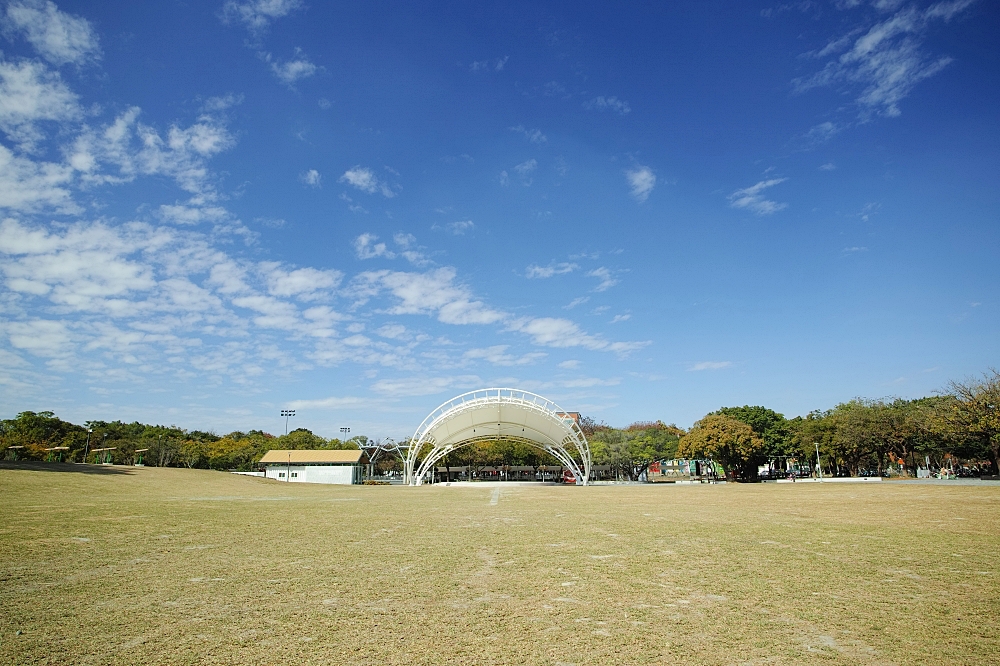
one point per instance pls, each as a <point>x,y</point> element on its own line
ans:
<point>339,474</point>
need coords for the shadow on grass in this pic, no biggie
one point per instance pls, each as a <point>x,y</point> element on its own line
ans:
<point>79,468</point>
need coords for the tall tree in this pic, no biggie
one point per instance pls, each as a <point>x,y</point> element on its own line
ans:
<point>768,424</point>
<point>732,443</point>
<point>975,410</point>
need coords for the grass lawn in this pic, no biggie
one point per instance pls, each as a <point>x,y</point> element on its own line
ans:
<point>155,566</point>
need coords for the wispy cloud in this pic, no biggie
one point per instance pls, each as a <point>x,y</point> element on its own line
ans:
<point>829,166</point>
<point>457,228</point>
<point>421,385</point>
<point>365,247</point>
<point>533,135</point>
<point>30,93</point>
<point>575,302</point>
<point>612,103</point>
<point>887,59</point>
<point>533,271</point>
<point>606,277</point>
<point>365,180</point>
<point>494,65</point>
<point>752,199</point>
<point>257,15</point>
<point>58,37</point>
<point>709,365</point>
<point>525,169</point>
<point>621,317</point>
<point>311,178</point>
<point>641,182</point>
<point>563,333</point>
<point>290,71</point>
<point>336,403</point>
<point>497,355</point>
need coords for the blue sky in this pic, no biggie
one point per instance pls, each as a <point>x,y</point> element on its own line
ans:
<point>213,211</point>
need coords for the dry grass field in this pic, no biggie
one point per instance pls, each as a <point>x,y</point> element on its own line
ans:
<point>171,566</point>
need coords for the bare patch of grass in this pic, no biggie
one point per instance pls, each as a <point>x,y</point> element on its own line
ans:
<point>188,566</point>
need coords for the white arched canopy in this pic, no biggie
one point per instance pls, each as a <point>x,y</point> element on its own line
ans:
<point>493,414</point>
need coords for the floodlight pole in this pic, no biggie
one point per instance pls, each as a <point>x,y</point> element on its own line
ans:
<point>87,449</point>
<point>819,465</point>
<point>286,413</point>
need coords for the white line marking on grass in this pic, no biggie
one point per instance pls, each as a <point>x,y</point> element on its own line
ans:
<point>495,497</point>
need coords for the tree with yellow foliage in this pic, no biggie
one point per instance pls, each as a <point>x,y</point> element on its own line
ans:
<point>729,442</point>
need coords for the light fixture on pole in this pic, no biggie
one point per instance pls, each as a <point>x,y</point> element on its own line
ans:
<point>287,413</point>
<point>345,430</point>
<point>86,450</point>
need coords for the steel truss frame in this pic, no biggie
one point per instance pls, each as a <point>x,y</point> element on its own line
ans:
<point>502,399</point>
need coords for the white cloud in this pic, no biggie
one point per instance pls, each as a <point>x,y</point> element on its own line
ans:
<point>436,292</point>
<point>612,103</point>
<point>460,227</point>
<point>134,149</point>
<point>415,386</point>
<point>496,65</point>
<point>304,283</point>
<point>366,248</point>
<point>408,249</point>
<point>829,166</point>
<point>30,94</point>
<point>571,364</point>
<point>618,318</point>
<point>606,277</point>
<point>41,337</point>
<point>58,37</point>
<point>290,71</point>
<point>821,133</point>
<point>504,179</point>
<point>335,403</point>
<point>365,180</point>
<point>709,365</point>
<point>311,178</point>
<point>258,14</point>
<point>752,199</point>
<point>641,182</point>
<point>555,332</point>
<point>497,356</point>
<point>27,186</point>
<point>392,331</point>
<point>550,270</point>
<point>575,302</point>
<point>193,214</point>
<point>533,135</point>
<point>886,60</point>
<point>524,171</point>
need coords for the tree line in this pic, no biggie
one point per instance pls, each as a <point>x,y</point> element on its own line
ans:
<point>960,426</point>
<point>44,436</point>
<point>860,436</point>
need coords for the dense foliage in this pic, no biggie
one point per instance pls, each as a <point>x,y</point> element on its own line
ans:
<point>861,436</point>
<point>165,446</point>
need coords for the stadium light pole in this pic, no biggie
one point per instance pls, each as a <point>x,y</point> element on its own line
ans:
<point>286,413</point>
<point>86,450</point>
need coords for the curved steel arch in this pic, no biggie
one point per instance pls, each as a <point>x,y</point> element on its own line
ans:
<point>493,414</point>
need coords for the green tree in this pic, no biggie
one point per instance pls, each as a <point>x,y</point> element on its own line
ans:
<point>974,411</point>
<point>731,443</point>
<point>38,431</point>
<point>768,424</point>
